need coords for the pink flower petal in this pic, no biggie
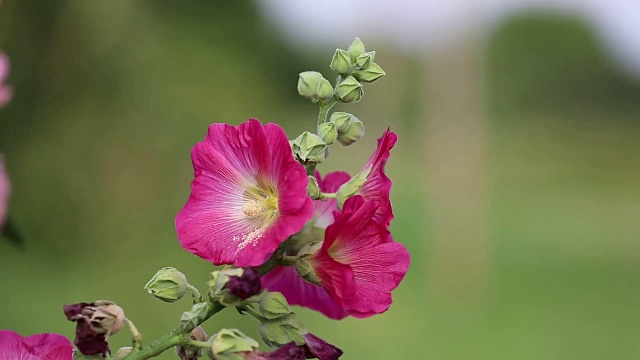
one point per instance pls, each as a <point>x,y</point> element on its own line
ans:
<point>5,66</point>
<point>297,291</point>
<point>248,196</point>
<point>356,241</point>
<point>377,187</point>
<point>35,347</point>
<point>324,208</point>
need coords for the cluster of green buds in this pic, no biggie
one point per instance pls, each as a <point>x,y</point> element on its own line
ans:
<point>353,67</point>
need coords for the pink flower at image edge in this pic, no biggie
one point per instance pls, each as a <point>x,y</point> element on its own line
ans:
<point>34,347</point>
<point>6,91</point>
<point>248,195</point>
<point>5,192</point>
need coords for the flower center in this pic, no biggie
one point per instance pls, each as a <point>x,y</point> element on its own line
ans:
<point>259,203</point>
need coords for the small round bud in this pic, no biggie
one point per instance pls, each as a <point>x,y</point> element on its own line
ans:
<point>341,62</point>
<point>350,90</point>
<point>365,59</point>
<point>168,284</point>
<point>313,189</point>
<point>309,148</point>
<point>353,132</point>
<point>227,343</point>
<point>370,74</point>
<point>273,305</point>
<point>312,85</point>
<point>356,49</point>
<point>341,119</point>
<point>122,353</point>
<point>328,132</point>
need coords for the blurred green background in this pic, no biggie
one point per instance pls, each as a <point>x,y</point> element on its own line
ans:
<point>515,175</point>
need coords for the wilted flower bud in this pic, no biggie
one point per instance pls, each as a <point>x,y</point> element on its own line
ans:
<point>230,344</point>
<point>95,322</point>
<point>191,352</point>
<point>122,353</point>
<point>356,49</point>
<point>189,320</point>
<point>369,74</point>
<point>273,305</point>
<point>365,59</point>
<point>350,90</point>
<point>341,62</point>
<point>328,132</point>
<point>312,85</point>
<point>313,189</point>
<point>168,284</point>
<point>309,148</point>
<point>318,348</point>
<point>232,286</point>
<point>352,133</point>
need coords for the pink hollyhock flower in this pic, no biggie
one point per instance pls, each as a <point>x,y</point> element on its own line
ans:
<point>5,192</point>
<point>6,91</point>
<point>285,279</point>
<point>248,196</point>
<point>377,187</point>
<point>358,264</point>
<point>34,347</point>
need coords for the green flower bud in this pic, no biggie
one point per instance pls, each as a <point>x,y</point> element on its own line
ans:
<point>194,317</point>
<point>313,189</point>
<point>341,62</point>
<point>312,85</point>
<point>356,49</point>
<point>370,74</point>
<point>220,289</point>
<point>280,331</point>
<point>309,148</point>
<point>168,284</point>
<point>307,272</point>
<point>328,132</point>
<point>227,343</point>
<point>341,119</point>
<point>365,59</point>
<point>273,305</point>
<point>353,132</point>
<point>351,187</point>
<point>350,90</point>
<point>122,353</point>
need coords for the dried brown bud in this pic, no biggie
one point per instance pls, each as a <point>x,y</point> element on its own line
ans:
<point>192,353</point>
<point>95,322</point>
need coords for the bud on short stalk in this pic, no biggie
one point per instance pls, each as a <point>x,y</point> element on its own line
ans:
<point>370,73</point>
<point>312,85</point>
<point>356,49</point>
<point>350,90</point>
<point>230,344</point>
<point>365,59</point>
<point>350,128</point>
<point>309,148</point>
<point>168,285</point>
<point>328,132</point>
<point>341,62</point>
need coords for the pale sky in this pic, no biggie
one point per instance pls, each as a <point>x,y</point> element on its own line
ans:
<point>416,25</point>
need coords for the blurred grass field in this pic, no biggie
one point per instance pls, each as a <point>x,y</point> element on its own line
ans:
<point>111,97</point>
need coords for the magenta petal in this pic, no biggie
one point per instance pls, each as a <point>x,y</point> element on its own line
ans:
<point>377,187</point>
<point>248,196</point>
<point>299,292</point>
<point>5,192</point>
<point>377,264</point>
<point>35,347</point>
<point>324,208</point>
<point>4,67</point>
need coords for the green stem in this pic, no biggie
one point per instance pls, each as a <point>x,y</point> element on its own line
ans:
<point>170,340</point>
<point>251,312</point>
<point>195,294</point>
<point>136,337</point>
<point>200,344</point>
<point>324,110</point>
<point>324,196</point>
